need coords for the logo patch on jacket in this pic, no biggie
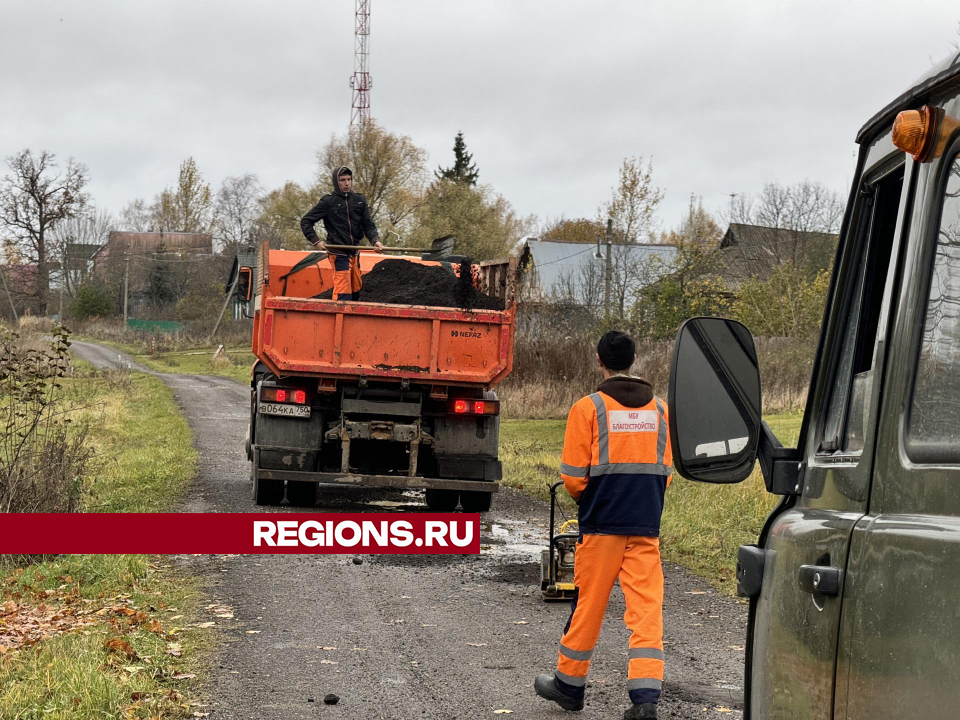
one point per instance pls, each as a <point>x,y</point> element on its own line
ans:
<point>633,421</point>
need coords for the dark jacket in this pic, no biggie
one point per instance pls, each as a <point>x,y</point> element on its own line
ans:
<point>346,218</point>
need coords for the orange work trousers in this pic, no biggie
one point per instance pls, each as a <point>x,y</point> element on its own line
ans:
<point>346,276</point>
<point>598,562</point>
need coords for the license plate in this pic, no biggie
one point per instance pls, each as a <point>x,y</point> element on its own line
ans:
<point>298,411</point>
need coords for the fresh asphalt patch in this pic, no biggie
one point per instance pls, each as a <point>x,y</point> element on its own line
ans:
<point>416,636</point>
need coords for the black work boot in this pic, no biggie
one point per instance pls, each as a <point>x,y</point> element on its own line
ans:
<point>547,688</point>
<point>641,711</point>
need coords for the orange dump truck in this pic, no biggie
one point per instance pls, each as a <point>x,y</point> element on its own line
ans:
<point>374,394</point>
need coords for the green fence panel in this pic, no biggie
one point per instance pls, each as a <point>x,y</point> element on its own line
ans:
<point>165,326</point>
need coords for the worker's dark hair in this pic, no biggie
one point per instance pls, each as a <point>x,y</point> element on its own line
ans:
<point>616,350</point>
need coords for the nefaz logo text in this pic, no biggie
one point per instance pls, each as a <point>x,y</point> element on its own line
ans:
<point>465,334</point>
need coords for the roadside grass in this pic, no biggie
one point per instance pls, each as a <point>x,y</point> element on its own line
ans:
<point>104,636</point>
<point>144,446</point>
<point>195,361</point>
<point>137,660</point>
<point>703,524</point>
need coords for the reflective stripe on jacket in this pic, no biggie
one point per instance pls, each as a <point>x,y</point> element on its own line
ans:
<point>616,463</point>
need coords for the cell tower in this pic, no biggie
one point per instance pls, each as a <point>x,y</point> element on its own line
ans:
<point>360,81</point>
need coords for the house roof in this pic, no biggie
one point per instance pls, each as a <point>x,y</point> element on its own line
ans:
<point>748,251</point>
<point>552,262</point>
<point>149,242</point>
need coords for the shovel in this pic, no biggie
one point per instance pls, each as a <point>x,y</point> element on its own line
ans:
<point>441,248</point>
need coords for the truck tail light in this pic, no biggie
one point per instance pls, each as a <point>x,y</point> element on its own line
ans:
<point>283,395</point>
<point>464,406</point>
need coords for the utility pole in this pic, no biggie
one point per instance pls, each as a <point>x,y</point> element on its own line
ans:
<point>3,276</point>
<point>231,294</point>
<point>126,287</point>
<point>63,276</point>
<point>608,270</point>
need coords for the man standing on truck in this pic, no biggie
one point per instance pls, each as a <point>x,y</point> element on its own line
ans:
<point>346,218</point>
<point>616,466</point>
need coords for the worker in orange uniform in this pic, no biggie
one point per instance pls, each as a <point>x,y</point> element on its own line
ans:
<point>616,465</point>
<point>346,218</point>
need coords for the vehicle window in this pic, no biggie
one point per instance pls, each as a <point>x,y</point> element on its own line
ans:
<point>853,374</point>
<point>934,422</point>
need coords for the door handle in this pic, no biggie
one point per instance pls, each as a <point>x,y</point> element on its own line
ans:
<point>821,579</point>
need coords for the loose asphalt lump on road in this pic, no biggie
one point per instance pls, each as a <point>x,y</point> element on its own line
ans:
<point>401,282</point>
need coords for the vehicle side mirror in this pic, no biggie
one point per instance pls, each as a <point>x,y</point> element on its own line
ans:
<point>244,284</point>
<point>715,418</point>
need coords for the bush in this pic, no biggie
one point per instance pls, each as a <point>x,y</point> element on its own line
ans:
<point>42,458</point>
<point>93,301</point>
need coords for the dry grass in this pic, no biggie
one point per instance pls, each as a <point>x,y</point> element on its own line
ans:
<point>703,524</point>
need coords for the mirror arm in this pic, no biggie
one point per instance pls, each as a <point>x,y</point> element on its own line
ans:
<point>780,466</point>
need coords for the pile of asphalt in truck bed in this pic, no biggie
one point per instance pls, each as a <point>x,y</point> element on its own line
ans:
<point>401,282</point>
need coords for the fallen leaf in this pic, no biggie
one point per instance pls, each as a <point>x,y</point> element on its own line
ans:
<point>253,632</point>
<point>736,647</point>
<point>521,622</point>
<point>224,615</point>
<point>329,647</point>
<point>136,696</point>
<point>177,617</point>
<point>174,649</point>
<point>205,624</point>
<point>477,644</point>
<point>133,669</point>
<point>696,592</point>
<point>503,712</point>
<point>184,676</point>
<point>156,626</point>
<point>723,709</point>
<point>201,714</point>
<point>328,662</point>
<point>119,645</point>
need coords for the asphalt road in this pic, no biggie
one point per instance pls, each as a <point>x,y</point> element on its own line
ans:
<point>416,636</point>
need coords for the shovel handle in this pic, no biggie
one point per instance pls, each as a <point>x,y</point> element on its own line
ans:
<point>370,249</point>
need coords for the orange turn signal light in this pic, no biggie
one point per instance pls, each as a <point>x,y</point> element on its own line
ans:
<point>923,133</point>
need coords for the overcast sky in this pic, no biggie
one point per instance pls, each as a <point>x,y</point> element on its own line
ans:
<point>551,96</point>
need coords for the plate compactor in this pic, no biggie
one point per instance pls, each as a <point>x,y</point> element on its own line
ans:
<point>556,562</point>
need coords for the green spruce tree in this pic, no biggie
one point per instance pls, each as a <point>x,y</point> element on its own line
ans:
<point>464,170</point>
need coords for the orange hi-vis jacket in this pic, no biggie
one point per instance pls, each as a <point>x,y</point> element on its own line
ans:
<point>617,457</point>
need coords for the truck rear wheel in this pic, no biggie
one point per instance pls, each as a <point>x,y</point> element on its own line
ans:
<point>442,500</point>
<point>476,502</point>
<point>265,492</point>
<point>302,494</point>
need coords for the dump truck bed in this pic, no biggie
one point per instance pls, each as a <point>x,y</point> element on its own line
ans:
<point>296,334</point>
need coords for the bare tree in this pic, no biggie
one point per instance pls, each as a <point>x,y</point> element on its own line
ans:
<point>136,217</point>
<point>237,210</point>
<point>78,238</point>
<point>634,203</point>
<point>795,224</point>
<point>34,198</point>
